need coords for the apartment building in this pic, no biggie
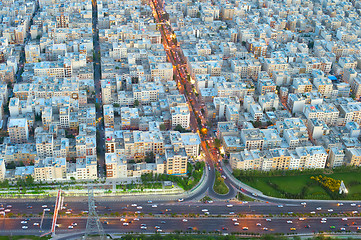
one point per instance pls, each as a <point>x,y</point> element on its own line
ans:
<point>252,138</point>
<point>44,145</point>
<point>50,169</point>
<point>180,116</point>
<point>116,165</point>
<point>324,86</point>
<point>32,53</point>
<point>163,71</point>
<point>326,112</point>
<point>176,161</point>
<point>18,130</point>
<point>336,157</point>
<point>86,168</point>
<point>138,143</point>
<point>108,113</point>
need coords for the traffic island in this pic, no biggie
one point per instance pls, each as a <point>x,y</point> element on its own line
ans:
<point>219,186</point>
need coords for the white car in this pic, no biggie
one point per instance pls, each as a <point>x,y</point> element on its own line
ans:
<point>204,210</point>
<point>136,219</point>
<point>150,201</point>
<point>313,212</point>
<point>234,220</point>
<point>24,227</point>
<point>344,219</point>
<point>180,200</point>
<point>236,224</point>
<point>330,210</point>
<point>9,206</point>
<point>44,206</point>
<point>143,227</point>
<point>268,220</point>
<point>24,222</point>
<point>229,205</point>
<point>289,222</point>
<point>139,207</point>
<point>67,212</point>
<point>47,210</point>
<point>154,205</point>
<point>7,210</point>
<point>125,224</point>
<point>122,219</point>
<point>354,212</point>
<point>74,224</point>
<point>301,219</point>
<point>159,230</point>
<point>280,206</point>
<point>324,219</point>
<point>70,227</point>
<point>353,204</point>
<point>343,229</point>
<point>258,224</point>
<point>339,204</point>
<point>319,209</point>
<point>185,220</point>
<point>134,205</point>
<point>303,203</point>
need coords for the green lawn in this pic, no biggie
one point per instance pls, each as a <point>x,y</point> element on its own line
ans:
<point>280,186</point>
<point>219,186</point>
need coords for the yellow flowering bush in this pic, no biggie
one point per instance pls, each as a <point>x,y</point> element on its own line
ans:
<point>331,184</point>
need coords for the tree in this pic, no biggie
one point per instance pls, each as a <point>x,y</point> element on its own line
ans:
<point>116,105</point>
<point>180,129</point>
<point>257,124</point>
<point>11,165</point>
<point>136,103</point>
<point>38,117</point>
<point>162,127</point>
<point>217,142</point>
<point>135,80</point>
<point>149,157</point>
<point>97,106</point>
<point>199,14</point>
<point>199,121</point>
<point>29,180</point>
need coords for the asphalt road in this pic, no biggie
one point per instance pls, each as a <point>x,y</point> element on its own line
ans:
<point>225,225</point>
<point>173,207</point>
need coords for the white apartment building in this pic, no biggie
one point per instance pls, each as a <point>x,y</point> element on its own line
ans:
<point>180,116</point>
<point>163,71</point>
<point>32,53</point>
<point>176,161</point>
<point>44,145</point>
<point>18,130</point>
<point>86,168</point>
<point>50,169</point>
<point>108,113</point>
<point>326,112</point>
<point>116,165</point>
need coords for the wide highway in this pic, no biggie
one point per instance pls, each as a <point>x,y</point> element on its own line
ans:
<point>225,225</point>
<point>74,208</point>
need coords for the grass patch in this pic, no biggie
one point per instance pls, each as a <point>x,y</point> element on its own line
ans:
<point>219,186</point>
<point>23,237</point>
<point>301,186</point>
<point>242,197</point>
